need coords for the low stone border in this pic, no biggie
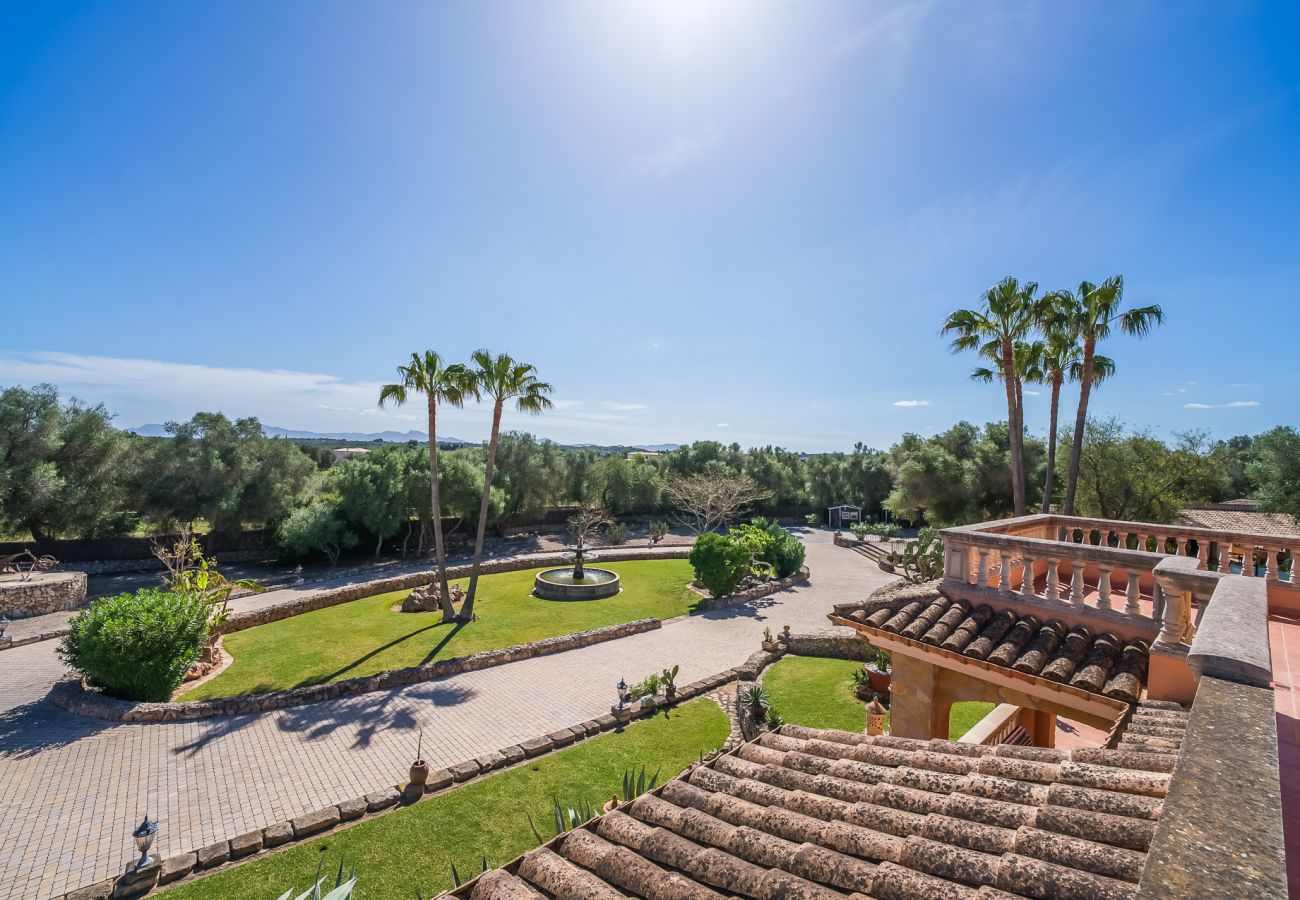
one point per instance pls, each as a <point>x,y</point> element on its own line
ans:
<point>74,697</point>
<point>362,589</point>
<point>137,883</point>
<point>359,591</point>
<point>761,590</point>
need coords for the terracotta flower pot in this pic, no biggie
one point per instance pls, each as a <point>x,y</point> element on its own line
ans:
<point>419,772</point>
<point>879,681</point>
<point>770,646</point>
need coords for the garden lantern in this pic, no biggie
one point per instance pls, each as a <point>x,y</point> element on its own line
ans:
<point>622,692</point>
<point>4,626</point>
<point>144,834</point>
<point>875,717</point>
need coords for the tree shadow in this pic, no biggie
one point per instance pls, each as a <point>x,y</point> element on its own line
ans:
<point>750,609</point>
<point>35,727</point>
<point>373,712</point>
<point>370,654</point>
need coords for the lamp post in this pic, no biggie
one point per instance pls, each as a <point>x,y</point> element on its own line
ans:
<point>4,626</point>
<point>622,693</point>
<point>144,835</point>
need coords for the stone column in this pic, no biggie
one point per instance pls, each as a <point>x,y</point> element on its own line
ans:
<point>1103,587</point>
<point>1225,555</point>
<point>1004,571</point>
<point>1076,582</point>
<point>1027,578</point>
<point>982,573</point>
<point>1175,614</point>
<point>1132,595</point>
<point>1053,579</point>
<point>914,708</point>
<point>1270,563</point>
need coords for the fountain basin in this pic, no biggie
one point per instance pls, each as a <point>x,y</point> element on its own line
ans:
<point>559,584</point>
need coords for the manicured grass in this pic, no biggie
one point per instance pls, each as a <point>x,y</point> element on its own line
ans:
<point>363,637</point>
<point>818,693</point>
<point>413,849</point>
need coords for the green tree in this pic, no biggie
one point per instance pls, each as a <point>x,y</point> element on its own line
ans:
<point>228,473</point>
<point>530,475</point>
<point>1095,311</point>
<point>439,383</point>
<point>1007,315</point>
<point>60,465</point>
<point>501,379</point>
<point>373,491</point>
<point>317,527</point>
<point>1274,467</point>
<point>1135,476</point>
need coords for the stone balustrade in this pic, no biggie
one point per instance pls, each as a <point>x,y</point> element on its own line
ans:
<point>1138,574</point>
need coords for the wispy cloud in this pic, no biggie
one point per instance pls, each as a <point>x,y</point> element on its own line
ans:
<point>908,404</point>
<point>723,425</point>
<point>680,152</point>
<point>1232,404</point>
<point>624,407</point>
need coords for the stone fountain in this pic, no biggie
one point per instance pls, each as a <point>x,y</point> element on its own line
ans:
<point>578,581</point>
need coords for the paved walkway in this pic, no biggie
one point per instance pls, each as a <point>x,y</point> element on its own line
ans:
<point>71,788</point>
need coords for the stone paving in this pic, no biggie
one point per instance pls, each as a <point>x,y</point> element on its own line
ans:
<point>71,789</point>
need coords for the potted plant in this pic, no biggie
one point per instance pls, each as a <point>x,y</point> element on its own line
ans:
<point>419,768</point>
<point>862,685</point>
<point>879,671</point>
<point>813,519</point>
<point>755,699</point>
<point>769,642</point>
<point>668,678</point>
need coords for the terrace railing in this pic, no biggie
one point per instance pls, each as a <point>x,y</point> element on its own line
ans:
<point>1161,575</point>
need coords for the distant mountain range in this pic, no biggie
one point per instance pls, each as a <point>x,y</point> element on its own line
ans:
<point>390,437</point>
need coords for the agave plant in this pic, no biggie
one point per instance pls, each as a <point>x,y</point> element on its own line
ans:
<point>342,890</point>
<point>635,784</point>
<point>756,698</point>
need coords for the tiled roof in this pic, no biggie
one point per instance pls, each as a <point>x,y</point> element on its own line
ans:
<point>1241,516</point>
<point>807,814</point>
<point>1099,663</point>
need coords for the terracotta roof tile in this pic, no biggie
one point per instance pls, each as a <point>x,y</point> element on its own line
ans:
<point>815,814</point>
<point>1097,663</point>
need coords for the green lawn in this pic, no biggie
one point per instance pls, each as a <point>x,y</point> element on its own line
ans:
<point>413,849</point>
<point>363,637</point>
<point>818,693</point>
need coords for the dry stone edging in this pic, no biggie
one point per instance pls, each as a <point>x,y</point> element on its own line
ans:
<point>760,590</point>
<point>359,591</point>
<point>72,694</point>
<point>308,826</point>
<point>349,592</point>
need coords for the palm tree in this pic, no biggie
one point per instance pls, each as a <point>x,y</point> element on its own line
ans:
<point>1062,361</point>
<point>1095,311</point>
<point>1008,313</point>
<point>500,378</point>
<point>440,383</point>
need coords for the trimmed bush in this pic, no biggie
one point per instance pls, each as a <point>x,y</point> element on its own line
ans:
<point>780,548</point>
<point>138,646</point>
<point>719,562</point>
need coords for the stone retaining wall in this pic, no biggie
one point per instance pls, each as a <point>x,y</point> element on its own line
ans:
<point>73,696</point>
<point>41,593</point>
<point>309,825</point>
<point>347,593</point>
<point>761,590</point>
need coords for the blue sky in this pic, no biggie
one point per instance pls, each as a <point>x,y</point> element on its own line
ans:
<point>742,221</point>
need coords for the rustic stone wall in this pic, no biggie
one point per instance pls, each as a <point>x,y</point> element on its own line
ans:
<point>836,646</point>
<point>73,696</point>
<point>408,580</point>
<point>760,590</point>
<point>43,592</point>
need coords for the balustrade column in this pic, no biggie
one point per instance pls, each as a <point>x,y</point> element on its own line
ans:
<point>1132,595</point>
<point>1270,562</point>
<point>1202,553</point>
<point>1004,571</point>
<point>1248,561</point>
<point>1076,583</point>
<point>982,573</point>
<point>1225,556</point>
<point>1053,580</point>
<point>1027,578</point>
<point>1103,587</point>
<point>1157,601</point>
<point>1175,617</point>
<point>956,564</point>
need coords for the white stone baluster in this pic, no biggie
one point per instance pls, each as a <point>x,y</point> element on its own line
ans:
<point>1175,616</point>
<point>1132,596</point>
<point>1076,583</point>
<point>982,573</point>
<point>1004,571</point>
<point>1027,578</point>
<point>1103,587</point>
<point>1053,580</point>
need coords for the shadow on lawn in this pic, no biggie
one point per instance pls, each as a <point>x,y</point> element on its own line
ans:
<point>428,657</point>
